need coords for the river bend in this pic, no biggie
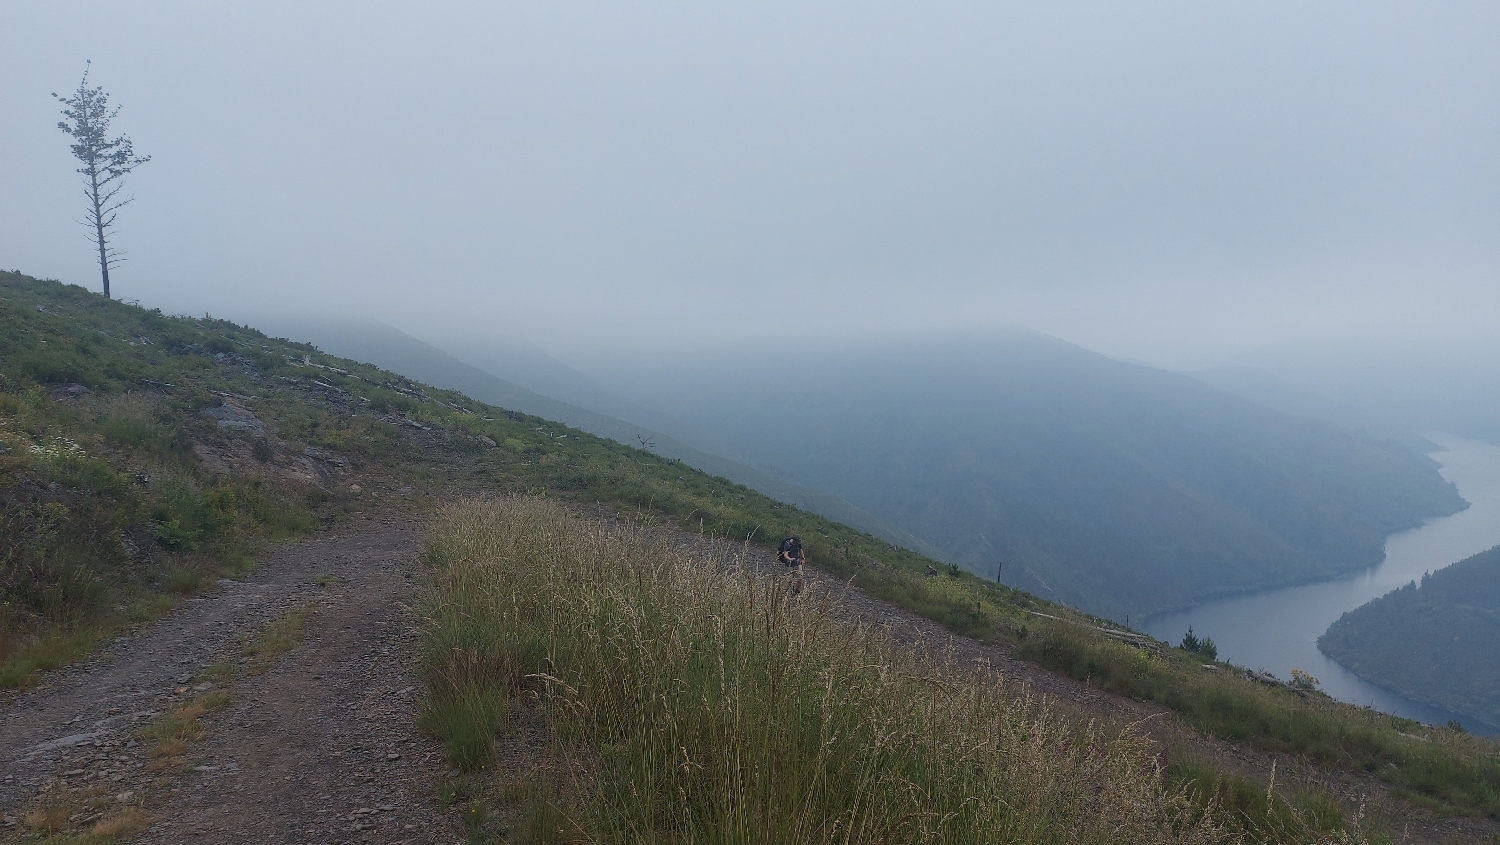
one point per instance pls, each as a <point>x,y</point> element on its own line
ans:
<point>1278,629</point>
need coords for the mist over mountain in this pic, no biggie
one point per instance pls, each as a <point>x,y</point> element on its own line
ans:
<point>1390,383</point>
<point>399,352</point>
<point>1277,393</point>
<point>1437,642</point>
<point>516,359</point>
<point>1117,487</point>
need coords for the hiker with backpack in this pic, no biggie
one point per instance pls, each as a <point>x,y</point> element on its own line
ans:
<point>793,557</point>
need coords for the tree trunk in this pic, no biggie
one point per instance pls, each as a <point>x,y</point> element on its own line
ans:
<point>103,261</point>
<point>99,227</point>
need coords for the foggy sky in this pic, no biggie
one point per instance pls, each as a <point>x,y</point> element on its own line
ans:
<point>1173,182</point>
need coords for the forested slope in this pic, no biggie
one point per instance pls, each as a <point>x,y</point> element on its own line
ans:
<point>1437,642</point>
<point>1116,487</point>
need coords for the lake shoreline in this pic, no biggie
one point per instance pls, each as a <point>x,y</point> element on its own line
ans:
<point>1277,629</point>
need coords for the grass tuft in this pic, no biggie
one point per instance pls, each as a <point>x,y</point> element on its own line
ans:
<point>467,717</point>
<point>25,662</point>
<point>173,732</point>
<point>81,820</point>
<point>283,634</point>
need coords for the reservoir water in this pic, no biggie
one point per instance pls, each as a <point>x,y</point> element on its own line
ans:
<point>1278,629</point>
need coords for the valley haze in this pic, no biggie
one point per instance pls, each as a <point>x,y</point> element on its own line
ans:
<point>1128,307</point>
<point>1119,488</point>
<point>1174,183</point>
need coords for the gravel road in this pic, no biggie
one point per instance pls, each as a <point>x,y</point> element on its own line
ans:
<point>321,748</point>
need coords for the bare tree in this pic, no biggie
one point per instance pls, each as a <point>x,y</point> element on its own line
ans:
<point>106,162</point>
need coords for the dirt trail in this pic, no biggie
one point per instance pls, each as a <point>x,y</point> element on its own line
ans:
<point>321,748</point>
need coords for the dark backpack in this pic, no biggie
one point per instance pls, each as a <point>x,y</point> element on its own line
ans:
<point>791,549</point>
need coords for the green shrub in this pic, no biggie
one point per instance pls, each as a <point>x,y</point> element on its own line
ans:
<point>133,424</point>
<point>55,367</point>
<point>58,590</point>
<point>1205,647</point>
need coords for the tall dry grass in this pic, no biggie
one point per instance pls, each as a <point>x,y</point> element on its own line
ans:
<point>690,699</point>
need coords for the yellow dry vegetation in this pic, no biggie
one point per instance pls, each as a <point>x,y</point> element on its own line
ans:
<point>687,697</point>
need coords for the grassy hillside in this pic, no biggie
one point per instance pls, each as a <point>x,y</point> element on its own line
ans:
<point>144,455</point>
<point>660,694</point>
<point>1438,643</point>
<point>1114,487</point>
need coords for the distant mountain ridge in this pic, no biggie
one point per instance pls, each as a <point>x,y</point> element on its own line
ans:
<point>388,347</point>
<point>1116,487</point>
